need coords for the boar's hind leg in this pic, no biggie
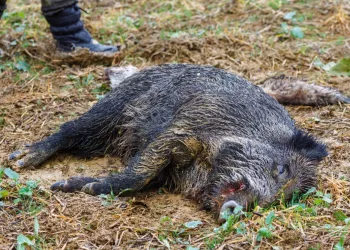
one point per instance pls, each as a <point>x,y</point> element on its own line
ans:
<point>141,169</point>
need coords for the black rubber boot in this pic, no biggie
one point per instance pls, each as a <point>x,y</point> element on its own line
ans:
<point>2,7</point>
<point>69,32</point>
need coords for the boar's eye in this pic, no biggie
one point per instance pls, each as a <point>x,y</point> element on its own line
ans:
<point>281,169</point>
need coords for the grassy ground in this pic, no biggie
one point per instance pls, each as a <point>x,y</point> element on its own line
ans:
<point>39,90</point>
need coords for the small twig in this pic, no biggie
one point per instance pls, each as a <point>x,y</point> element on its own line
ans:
<point>258,214</point>
<point>64,246</point>
<point>57,199</point>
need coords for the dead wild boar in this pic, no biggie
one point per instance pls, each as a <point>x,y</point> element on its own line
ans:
<point>197,130</point>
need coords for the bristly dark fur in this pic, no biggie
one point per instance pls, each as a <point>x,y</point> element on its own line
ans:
<point>285,89</point>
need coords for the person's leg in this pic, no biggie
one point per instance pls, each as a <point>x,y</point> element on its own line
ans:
<point>2,6</point>
<point>67,28</point>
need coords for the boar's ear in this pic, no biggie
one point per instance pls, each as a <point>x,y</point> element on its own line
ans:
<point>308,146</point>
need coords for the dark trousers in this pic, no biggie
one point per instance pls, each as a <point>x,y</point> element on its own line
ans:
<point>2,5</point>
<point>48,7</point>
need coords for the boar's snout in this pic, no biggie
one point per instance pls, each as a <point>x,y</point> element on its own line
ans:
<point>228,206</point>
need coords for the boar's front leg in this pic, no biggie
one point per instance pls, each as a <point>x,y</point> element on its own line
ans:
<point>39,152</point>
<point>141,169</point>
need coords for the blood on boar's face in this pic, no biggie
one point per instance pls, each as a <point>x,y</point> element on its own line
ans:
<point>248,172</point>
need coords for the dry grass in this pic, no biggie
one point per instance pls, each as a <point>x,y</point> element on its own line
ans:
<point>241,36</point>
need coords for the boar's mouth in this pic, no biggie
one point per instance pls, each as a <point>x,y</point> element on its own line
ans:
<point>235,194</point>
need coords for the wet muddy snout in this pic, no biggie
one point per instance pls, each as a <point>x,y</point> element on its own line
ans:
<point>228,206</point>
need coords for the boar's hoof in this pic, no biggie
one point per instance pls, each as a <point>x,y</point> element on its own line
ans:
<point>97,188</point>
<point>73,184</point>
<point>17,154</point>
<point>27,156</point>
<point>228,207</point>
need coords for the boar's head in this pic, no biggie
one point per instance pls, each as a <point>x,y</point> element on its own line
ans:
<point>247,172</point>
